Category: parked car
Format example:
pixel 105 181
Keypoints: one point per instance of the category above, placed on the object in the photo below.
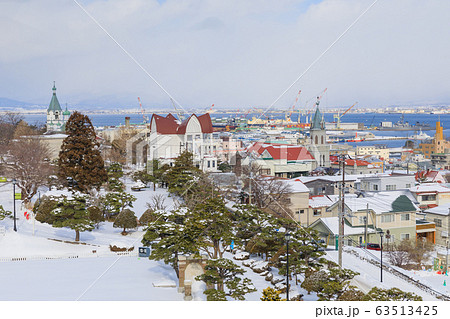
pixel 373 246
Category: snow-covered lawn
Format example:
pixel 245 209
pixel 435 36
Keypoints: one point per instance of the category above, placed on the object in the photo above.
pixel 97 274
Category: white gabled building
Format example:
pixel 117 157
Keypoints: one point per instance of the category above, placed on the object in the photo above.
pixel 169 138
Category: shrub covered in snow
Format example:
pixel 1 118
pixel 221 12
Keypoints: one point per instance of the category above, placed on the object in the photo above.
pixel 126 219
pixel 242 256
pixel 260 266
pixel 119 246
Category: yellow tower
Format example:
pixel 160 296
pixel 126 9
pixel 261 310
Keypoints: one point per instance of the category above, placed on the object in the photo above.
pixel 439 131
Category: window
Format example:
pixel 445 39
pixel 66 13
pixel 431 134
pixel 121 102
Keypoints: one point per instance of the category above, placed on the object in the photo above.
pixel 428 197
pixel 213 163
pixel 316 212
pixel 362 220
pixel 391 187
pixel 404 236
pixel 405 216
pixel 375 187
pixel 438 222
pixel 301 211
pixel 387 218
pixel 209 164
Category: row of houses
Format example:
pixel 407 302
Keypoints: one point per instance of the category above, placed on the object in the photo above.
pixel 420 211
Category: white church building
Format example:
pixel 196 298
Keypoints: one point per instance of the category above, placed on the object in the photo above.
pixel 169 137
pixel 56 117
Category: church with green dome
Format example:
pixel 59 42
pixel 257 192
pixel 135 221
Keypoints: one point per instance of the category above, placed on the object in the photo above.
pixel 56 117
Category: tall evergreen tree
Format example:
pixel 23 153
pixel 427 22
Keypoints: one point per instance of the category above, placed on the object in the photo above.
pixel 182 173
pixel 213 222
pixel 80 163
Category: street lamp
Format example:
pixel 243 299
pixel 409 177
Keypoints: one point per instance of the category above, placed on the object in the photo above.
pixel 381 254
pixel 287 237
pixel 14 202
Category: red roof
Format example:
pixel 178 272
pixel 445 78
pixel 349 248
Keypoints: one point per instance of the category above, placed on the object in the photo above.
pixel 282 151
pixel 351 162
pixel 206 123
pixel 170 125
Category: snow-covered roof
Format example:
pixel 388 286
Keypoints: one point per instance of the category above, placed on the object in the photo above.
pixel 382 202
pixel 430 188
pixel 321 201
pixel 332 223
pixel 337 178
pixel 439 210
pixel 297 186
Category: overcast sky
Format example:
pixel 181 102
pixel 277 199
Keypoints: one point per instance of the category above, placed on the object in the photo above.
pixel 229 53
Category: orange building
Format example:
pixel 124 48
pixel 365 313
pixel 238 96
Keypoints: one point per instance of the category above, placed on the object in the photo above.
pixel 437 145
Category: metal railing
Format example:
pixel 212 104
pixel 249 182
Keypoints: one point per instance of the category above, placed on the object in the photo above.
pixel 377 262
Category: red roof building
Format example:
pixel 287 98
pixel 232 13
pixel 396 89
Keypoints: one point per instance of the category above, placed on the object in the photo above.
pixel 169 137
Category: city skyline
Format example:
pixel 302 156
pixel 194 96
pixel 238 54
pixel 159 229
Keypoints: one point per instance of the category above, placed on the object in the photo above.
pixel 230 54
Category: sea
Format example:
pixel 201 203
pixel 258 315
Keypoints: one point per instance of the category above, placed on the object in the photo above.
pixel 368 119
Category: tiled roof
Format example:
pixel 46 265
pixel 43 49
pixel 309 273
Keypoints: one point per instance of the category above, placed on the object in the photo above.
pixel 170 125
pixel 278 151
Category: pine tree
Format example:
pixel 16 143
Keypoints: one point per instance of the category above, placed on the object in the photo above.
pixel 126 219
pixel 213 222
pixel 113 203
pixel 95 215
pixel 43 209
pixel 392 294
pixel 330 285
pixel 80 163
pixel 168 237
pixel 223 273
pixel 182 173
pixel 72 213
pixel 147 217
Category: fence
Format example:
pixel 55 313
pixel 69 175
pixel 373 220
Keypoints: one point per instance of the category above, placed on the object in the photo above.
pixel 133 253
pixel 375 261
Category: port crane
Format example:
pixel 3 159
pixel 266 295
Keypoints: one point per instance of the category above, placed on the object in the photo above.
pixel 210 110
pixel 180 115
pixel 289 113
pixel 142 111
pixel 338 116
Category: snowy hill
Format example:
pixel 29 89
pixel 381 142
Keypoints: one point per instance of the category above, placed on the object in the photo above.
pixel 47 265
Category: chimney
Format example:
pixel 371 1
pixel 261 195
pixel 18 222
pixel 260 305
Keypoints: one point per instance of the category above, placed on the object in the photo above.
pixel 127 121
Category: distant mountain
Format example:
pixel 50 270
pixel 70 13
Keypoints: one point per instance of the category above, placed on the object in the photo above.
pixel 6 103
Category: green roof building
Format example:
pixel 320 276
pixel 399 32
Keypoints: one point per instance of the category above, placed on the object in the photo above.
pixel 56 118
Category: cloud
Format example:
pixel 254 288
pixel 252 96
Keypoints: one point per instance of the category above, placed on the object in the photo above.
pixel 230 53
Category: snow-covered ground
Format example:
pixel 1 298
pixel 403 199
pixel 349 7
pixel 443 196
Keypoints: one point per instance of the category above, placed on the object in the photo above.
pixel 90 271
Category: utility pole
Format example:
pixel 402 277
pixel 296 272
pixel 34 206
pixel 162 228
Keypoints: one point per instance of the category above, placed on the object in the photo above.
pixel 366 225
pixel 341 213
pixel 251 179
